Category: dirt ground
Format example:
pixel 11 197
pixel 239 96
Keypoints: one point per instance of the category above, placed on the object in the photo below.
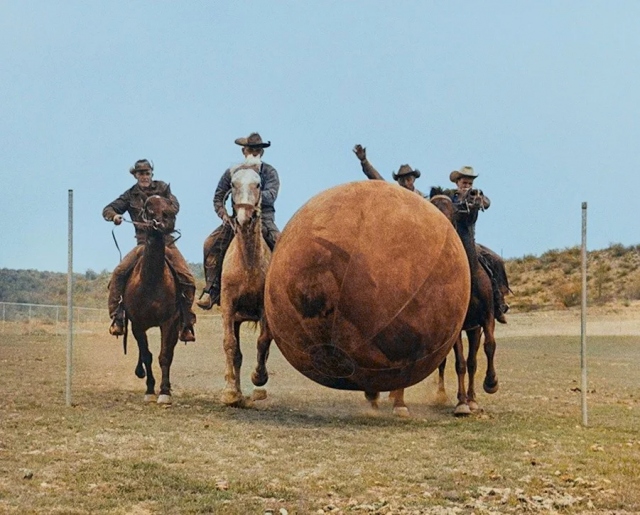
pixel 615 320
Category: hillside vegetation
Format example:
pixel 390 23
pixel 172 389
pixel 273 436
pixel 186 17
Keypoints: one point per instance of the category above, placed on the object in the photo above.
pixel 550 281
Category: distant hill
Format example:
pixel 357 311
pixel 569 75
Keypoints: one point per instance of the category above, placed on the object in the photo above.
pixel 550 281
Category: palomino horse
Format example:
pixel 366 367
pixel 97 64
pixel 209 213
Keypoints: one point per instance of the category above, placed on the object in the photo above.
pixel 480 314
pixel 150 298
pixel 243 278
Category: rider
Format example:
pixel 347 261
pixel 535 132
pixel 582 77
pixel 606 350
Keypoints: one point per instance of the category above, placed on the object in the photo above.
pixel 406 176
pixel 132 201
pixel 217 243
pixel 493 263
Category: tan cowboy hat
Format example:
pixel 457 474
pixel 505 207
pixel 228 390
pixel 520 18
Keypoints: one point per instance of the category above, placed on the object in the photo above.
pixel 465 171
pixel 405 170
pixel 253 140
pixel 141 165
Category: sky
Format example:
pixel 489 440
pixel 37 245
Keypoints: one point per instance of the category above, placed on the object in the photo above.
pixel 542 98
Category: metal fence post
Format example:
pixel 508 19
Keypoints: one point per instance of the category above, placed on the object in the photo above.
pixel 583 317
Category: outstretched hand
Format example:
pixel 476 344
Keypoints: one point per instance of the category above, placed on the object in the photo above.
pixel 360 152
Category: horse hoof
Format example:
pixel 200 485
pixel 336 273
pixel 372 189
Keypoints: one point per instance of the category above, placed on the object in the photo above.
pixel 164 399
pixel 441 399
pixel 490 387
pixel 473 406
pixel 462 410
pixel 401 412
pixel 232 398
pixel 258 394
pixel 149 397
pixel 259 379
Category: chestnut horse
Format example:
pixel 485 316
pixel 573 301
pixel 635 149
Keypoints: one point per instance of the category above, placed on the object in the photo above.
pixel 480 314
pixel 242 288
pixel 150 297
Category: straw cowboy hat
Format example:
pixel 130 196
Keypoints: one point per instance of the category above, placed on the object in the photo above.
pixel 465 171
pixel 405 170
pixel 253 140
pixel 141 165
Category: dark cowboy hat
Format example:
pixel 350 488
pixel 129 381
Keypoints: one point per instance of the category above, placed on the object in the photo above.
pixel 465 171
pixel 405 170
pixel 141 165
pixel 253 140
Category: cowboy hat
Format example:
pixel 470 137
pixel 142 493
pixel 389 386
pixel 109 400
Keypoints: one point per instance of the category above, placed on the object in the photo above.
pixel 465 171
pixel 253 140
pixel 141 165
pixel 405 170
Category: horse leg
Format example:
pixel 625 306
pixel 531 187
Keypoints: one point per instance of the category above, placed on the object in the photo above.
pixel 145 358
pixel 473 336
pixel 169 339
pixel 232 395
pixel 399 407
pixel 372 397
pixel 462 408
pixel 490 383
pixel 260 375
pixel 441 395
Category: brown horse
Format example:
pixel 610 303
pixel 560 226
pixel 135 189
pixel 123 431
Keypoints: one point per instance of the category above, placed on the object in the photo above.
pixel 480 314
pixel 243 278
pixel 150 297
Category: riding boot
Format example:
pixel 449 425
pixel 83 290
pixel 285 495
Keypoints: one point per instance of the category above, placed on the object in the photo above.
pixel 187 334
pixel 117 321
pixel 211 293
pixel 500 306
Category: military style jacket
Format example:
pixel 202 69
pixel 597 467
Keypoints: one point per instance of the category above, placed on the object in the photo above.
pixel 269 184
pixel 132 201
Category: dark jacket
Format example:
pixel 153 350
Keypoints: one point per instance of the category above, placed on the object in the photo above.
pixel 132 201
pixel 269 184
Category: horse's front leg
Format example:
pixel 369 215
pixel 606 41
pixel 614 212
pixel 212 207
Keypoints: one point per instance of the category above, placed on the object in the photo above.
pixel 441 394
pixel 232 395
pixel 474 337
pixel 399 407
pixel 490 383
pixel 169 339
pixel 260 375
pixel 372 398
pixel 145 359
pixel 462 408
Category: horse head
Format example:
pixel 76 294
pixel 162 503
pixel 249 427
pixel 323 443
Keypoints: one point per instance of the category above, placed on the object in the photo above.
pixel 159 214
pixel 470 203
pixel 245 194
pixel 445 206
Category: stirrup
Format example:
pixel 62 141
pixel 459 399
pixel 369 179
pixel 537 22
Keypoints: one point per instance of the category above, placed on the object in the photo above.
pixel 187 334
pixel 205 301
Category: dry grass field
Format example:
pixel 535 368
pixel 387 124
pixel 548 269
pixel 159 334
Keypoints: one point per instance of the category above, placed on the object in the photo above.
pixel 309 449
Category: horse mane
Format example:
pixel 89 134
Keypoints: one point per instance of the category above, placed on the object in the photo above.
pixel 436 190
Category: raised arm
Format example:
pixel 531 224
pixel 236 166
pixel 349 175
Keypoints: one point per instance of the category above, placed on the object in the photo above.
pixel 367 167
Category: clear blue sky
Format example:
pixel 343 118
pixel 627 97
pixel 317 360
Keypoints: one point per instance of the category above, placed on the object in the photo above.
pixel 541 98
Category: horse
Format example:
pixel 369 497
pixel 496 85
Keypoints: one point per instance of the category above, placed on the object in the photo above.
pixel 150 297
pixel 480 317
pixel 242 287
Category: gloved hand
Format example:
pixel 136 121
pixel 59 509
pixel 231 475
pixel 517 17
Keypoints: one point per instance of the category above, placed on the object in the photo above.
pixel 360 152
pixel 117 219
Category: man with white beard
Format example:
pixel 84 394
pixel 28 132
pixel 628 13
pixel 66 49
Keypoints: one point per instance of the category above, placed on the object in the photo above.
pixel 217 243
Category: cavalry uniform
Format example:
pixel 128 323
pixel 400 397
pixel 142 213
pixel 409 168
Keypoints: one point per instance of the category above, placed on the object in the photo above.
pixel 132 201
pixel 216 244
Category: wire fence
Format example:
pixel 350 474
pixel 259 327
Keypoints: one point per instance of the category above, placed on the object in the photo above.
pixel 24 318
